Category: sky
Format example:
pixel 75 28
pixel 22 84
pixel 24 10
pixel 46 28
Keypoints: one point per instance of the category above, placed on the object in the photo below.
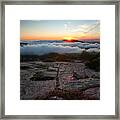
pixel 59 29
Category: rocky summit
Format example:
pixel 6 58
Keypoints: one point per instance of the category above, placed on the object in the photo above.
pixel 58 81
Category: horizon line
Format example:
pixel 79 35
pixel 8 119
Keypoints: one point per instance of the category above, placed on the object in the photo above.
pixel 55 39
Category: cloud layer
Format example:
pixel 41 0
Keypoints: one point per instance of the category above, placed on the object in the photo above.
pixel 58 47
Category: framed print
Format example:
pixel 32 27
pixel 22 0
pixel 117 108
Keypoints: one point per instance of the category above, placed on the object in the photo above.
pixel 59 59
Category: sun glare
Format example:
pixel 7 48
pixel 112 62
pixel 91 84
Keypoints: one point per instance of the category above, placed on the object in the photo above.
pixel 68 38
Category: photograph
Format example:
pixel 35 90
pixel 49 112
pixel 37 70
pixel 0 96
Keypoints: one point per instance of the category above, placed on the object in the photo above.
pixel 60 59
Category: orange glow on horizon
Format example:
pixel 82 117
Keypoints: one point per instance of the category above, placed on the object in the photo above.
pixel 37 38
pixel 40 38
pixel 61 37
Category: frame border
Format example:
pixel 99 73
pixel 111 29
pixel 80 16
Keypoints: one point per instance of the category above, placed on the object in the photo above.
pixel 2 55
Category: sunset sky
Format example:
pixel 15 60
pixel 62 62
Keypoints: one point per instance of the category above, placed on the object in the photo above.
pixel 59 29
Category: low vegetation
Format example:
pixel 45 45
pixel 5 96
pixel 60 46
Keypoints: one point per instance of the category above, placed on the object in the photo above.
pixel 91 59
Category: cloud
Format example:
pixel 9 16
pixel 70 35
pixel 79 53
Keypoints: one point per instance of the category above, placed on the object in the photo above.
pixel 47 48
pixel 44 48
pixel 84 28
pixel 93 50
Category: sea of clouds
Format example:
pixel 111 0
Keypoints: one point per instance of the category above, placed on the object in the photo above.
pixel 58 47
